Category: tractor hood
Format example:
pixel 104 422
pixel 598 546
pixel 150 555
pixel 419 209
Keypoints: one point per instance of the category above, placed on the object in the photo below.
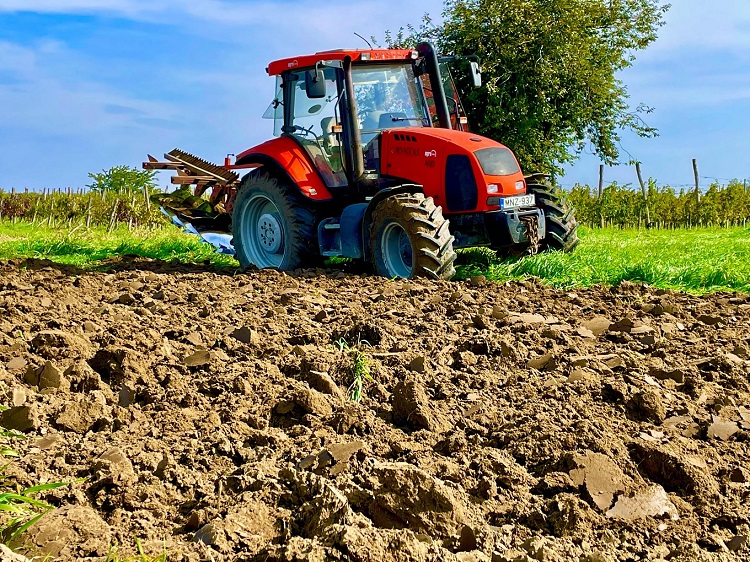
pixel 462 172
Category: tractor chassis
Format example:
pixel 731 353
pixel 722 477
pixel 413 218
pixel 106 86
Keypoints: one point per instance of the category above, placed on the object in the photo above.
pixel 498 229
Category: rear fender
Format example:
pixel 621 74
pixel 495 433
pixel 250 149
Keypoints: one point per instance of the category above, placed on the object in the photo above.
pixel 290 162
pixel 377 198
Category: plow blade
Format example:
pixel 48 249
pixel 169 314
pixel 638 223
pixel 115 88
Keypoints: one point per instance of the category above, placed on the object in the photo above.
pixel 190 207
pixel 189 166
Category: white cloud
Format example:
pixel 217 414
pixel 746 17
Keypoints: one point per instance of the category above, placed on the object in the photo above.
pixel 700 26
pixel 289 19
pixel 48 91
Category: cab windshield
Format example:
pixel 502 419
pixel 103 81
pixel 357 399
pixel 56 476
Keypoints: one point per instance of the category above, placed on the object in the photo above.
pixel 387 97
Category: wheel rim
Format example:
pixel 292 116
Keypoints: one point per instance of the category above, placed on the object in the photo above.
pixel 396 249
pixel 262 231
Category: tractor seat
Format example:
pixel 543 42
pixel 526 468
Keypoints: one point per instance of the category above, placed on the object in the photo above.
pixel 372 121
pixel 329 137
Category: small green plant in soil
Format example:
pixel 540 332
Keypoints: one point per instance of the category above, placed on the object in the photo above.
pixel 112 556
pixel 6 436
pixel 360 371
pixel 19 510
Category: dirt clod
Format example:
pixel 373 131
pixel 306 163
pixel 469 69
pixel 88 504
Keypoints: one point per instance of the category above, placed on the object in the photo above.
pixel 411 406
pixel 599 476
pixel 647 406
pixel 20 418
pixel 651 502
pixel 71 532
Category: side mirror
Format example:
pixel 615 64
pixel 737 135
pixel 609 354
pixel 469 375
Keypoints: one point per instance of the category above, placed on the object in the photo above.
pixel 315 84
pixel 475 73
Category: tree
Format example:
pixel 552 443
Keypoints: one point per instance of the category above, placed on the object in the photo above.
pixel 123 179
pixel 549 70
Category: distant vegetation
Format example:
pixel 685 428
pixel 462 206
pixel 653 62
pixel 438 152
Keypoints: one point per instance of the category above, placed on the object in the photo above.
pixel 79 208
pixel 624 207
pixel 123 179
pixel 620 206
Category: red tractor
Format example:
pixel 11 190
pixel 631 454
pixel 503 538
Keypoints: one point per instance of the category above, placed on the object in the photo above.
pixel 370 161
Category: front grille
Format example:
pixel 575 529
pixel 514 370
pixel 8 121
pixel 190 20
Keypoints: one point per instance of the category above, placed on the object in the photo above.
pixel 460 185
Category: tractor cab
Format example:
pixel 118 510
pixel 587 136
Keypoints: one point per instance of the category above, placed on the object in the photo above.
pixel 336 105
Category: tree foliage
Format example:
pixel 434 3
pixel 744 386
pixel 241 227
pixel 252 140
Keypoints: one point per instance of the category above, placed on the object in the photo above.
pixel 123 179
pixel 549 70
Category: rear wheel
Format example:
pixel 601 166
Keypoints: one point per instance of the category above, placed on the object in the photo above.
pixel 559 220
pixel 409 237
pixel 271 227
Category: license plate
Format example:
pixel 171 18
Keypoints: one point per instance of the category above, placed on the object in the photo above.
pixel 517 201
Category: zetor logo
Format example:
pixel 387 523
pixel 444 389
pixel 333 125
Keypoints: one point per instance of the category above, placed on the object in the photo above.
pixel 430 154
pixel 293 64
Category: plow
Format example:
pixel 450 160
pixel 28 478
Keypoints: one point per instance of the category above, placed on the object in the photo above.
pixel 203 203
pixel 371 160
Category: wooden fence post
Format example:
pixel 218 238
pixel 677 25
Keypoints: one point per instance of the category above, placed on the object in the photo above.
pixel 643 191
pixel 148 200
pixel 697 181
pixel 88 211
pixel 113 218
pixel 601 191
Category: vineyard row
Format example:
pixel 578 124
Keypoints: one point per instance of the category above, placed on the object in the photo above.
pixel 618 205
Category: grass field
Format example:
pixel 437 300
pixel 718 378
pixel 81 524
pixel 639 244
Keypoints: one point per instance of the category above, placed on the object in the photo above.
pixel 87 248
pixel 695 260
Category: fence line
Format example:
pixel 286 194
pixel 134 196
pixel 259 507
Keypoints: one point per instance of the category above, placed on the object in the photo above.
pixel 604 205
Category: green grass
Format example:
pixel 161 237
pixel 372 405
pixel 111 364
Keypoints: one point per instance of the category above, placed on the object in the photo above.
pixel 87 248
pixel 696 260
pixel 18 509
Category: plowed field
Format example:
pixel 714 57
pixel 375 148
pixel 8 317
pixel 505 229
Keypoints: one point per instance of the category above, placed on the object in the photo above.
pixel 211 416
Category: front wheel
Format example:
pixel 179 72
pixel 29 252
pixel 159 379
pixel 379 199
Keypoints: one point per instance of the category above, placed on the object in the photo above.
pixel 271 226
pixel 409 237
pixel 559 220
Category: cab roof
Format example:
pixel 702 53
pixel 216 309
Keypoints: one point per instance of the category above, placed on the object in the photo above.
pixel 357 55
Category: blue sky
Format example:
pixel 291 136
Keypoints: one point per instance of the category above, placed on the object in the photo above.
pixel 89 84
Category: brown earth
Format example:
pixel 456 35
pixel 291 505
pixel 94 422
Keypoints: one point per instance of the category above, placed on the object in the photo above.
pixel 208 414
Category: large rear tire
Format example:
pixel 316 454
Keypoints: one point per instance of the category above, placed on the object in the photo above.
pixel 409 237
pixel 271 226
pixel 559 219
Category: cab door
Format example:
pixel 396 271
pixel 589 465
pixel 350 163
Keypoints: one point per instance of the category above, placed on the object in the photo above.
pixel 315 123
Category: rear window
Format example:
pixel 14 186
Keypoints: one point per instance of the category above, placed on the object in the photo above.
pixel 497 161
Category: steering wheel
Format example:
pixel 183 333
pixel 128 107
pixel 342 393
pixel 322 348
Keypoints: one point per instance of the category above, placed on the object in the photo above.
pixel 303 130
